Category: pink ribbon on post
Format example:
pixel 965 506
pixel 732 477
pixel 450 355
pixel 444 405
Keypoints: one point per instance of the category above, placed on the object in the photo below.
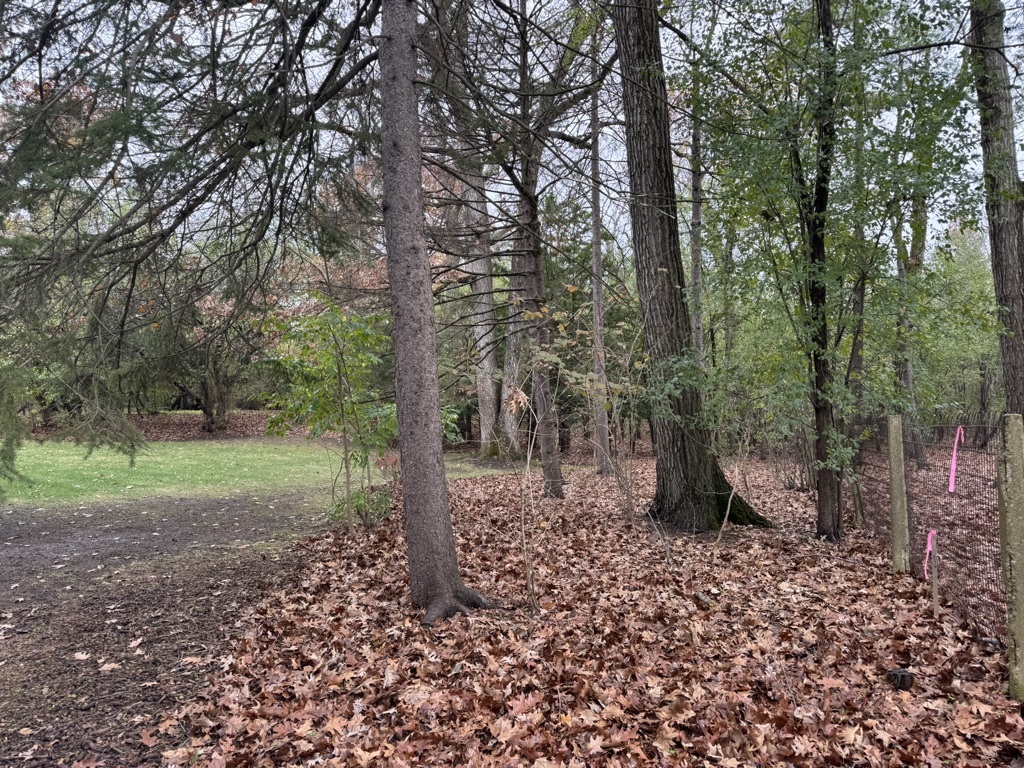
pixel 928 551
pixel 952 465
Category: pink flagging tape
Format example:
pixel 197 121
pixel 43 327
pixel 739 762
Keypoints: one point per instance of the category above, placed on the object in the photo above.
pixel 928 551
pixel 952 464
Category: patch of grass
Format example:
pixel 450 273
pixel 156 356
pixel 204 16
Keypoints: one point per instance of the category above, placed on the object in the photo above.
pixel 59 472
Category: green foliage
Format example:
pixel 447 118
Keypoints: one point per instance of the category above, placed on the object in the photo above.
pixel 902 146
pixel 12 427
pixel 450 432
pixel 955 337
pixel 371 505
pixel 331 360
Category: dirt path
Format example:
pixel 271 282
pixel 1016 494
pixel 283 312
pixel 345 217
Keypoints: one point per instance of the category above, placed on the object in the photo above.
pixel 108 613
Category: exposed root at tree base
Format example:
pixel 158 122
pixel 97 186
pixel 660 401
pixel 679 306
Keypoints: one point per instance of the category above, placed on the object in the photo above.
pixel 463 600
pixel 740 511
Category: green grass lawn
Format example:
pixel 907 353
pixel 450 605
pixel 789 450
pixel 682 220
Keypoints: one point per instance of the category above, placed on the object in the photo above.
pixel 60 472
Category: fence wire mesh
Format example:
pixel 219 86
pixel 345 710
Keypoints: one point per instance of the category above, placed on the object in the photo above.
pixel 956 498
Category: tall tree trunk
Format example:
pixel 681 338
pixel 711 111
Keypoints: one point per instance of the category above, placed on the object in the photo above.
pixel 908 264
pixel 696 225
pixel 434 576
pixel 691 490
pixel 813 202
pixel 855 368
pixel 1004 197
pixel 449 78
pixel 602 441
pixel 479 266
pixel 853 423
pixel 726 267
pixel 531 263
pixel 531 258
pixel 984 401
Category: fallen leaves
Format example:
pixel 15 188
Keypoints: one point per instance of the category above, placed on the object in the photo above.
pixel 784 664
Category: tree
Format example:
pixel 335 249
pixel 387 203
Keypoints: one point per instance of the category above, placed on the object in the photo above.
pixel 1004 190
pixel 131 140
pixel 602 441
pixel 434 576
pixel 691 491
pixel 329 356
pixel 152 128
pixel 813 207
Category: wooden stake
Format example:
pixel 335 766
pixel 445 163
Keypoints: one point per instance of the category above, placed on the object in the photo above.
pixel 935 575
pixel 900 530
pixel 1011 533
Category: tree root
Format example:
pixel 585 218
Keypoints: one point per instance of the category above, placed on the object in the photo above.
pixel 462 600
pixel 740 511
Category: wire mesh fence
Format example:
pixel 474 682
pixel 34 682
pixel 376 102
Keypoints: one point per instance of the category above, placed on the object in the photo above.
pixel 950 473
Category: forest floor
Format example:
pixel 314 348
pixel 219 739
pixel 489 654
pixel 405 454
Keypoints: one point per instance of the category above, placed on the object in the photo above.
pixel 208 632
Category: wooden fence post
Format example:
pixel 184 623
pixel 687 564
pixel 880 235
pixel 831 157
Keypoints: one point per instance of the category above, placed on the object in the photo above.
pixel 898 498
pixel 1011 535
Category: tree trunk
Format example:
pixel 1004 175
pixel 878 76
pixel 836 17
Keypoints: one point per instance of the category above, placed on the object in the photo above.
pixel 696 227
pixel 479 265
pixel 602 441
pixel 691 490
pixel 1004 198
pixel 449 78
pixel 511 407
pixel 908 264
pixel 727 277
pixel 531 258
pixel 434 576
pixel 531 263
pixel 813 204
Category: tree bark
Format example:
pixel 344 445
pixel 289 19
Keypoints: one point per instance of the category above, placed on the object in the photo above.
pixel 434 577
pixel 602 440
pixel 691 489
pixel 726 267
pixel 908 264
pixel 1004 198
